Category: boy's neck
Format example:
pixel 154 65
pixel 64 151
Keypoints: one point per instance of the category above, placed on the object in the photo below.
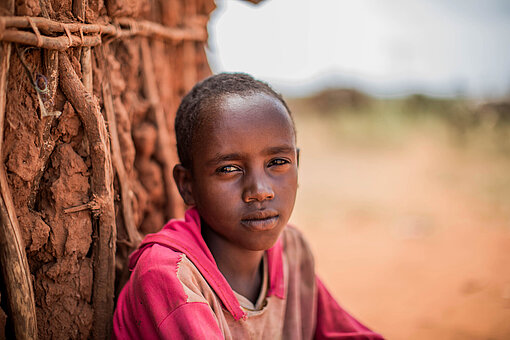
pixel 241 267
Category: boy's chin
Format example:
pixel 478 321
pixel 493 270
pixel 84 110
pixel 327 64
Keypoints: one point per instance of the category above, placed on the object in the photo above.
pixel 263 245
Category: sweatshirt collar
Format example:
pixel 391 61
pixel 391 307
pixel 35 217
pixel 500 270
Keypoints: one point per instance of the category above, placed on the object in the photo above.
pixel 185 236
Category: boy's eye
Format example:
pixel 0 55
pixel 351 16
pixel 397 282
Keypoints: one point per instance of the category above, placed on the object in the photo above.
pixel 278 161
pixel 228 169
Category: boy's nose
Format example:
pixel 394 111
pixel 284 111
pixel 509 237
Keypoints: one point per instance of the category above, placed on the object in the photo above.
pixel 258 188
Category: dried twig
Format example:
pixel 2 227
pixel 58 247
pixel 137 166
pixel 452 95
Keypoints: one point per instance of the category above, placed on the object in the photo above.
pixel 79 11
pixel 86 68
pixel 43 27
pixel 125 190
pixel 12 251
pixel 190 67
pixel 94 205
pixel 189 50
pixel 48 26
pixel 51 68
pixel 174 206
pixel 152 29
pixel 79 7
pixel 102 186
pixel 53 43
pixel 50 61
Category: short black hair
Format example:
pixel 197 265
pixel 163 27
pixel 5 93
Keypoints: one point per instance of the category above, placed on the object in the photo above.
pixel 205 94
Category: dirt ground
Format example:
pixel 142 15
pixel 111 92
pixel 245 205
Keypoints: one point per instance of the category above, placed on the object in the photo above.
pixel 413 238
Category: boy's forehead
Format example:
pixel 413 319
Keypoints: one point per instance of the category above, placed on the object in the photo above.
pixel 247 108
pixel 238 118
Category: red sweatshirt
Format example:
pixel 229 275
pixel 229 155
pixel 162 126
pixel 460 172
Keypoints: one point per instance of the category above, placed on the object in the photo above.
pixel 176 291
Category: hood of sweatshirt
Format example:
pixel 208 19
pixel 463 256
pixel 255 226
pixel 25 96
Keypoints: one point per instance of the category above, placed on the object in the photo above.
pixel 185 236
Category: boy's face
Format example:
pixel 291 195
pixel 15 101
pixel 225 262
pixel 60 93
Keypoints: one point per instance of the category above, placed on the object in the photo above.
pixel 244 177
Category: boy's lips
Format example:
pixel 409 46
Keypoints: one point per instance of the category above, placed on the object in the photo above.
pixel 260 220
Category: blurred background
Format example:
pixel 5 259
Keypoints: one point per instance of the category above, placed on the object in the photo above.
pixel 403 115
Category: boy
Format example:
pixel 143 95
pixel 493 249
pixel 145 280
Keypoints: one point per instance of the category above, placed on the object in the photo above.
pixel 233 268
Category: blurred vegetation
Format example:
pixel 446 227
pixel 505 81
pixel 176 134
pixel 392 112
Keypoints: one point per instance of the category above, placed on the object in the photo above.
pixel 356 118
pixel 476 134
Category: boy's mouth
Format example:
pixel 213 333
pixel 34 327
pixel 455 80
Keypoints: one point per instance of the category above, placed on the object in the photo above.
pixel 260 220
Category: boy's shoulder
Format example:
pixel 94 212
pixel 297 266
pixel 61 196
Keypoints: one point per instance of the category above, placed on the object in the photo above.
pixel 297 249
pixel 159 259
pixel 157 265
pixel 294 240
pixel 163 281
pixel 163 262
pixel 156 255
pixel 292 232
pixel 171 268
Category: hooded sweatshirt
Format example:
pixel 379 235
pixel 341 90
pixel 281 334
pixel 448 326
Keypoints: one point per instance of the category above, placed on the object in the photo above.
pixel 176 291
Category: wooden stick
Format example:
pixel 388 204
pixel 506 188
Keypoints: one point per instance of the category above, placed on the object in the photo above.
pixel 79 7
pixel 125 190
pixel 51 68
pixel 188 52
pixel 102 186
pixel 52 43
pixel 149 28
pixel 94 205
pixel 9 5
pixel 45 8
pixel 174 206
pixel 86 68
pixel 190 65
pixel 13 259
pixel 48 26
pixel 196 32
pixel 50 57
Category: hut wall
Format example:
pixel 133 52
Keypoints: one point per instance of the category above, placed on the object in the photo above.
pixel 70 221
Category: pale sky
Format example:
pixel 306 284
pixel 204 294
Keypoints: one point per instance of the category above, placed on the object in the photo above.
pixel 385 47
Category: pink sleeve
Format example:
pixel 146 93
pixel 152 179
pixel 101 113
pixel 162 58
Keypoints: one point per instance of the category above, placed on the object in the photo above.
pixel 192 320
pixel 335 323
pixel 189 321
pixel 153 304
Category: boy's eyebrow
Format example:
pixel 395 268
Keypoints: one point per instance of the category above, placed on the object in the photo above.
pixel 279 149
pixel 218 158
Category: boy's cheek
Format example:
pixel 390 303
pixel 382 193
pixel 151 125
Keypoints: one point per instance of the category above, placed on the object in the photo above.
pixel 217 198
pixel 290 181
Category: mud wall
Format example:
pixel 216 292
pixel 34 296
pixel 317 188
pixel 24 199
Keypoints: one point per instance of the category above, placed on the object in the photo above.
pixel 136 82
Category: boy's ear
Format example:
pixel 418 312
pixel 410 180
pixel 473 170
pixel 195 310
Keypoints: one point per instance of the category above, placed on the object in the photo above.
pixel 297 156
pixel 183 179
